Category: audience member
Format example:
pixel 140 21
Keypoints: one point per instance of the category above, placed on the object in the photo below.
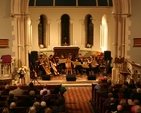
pixel 37 106
pixel 18 90
pixel 136 102
pixel 58 107
pixel 32 110
pixel 6 90
pixel 5 110
pixel 108 100
pixel 11 98
pixel 48 110
pixel 43 107
pixel 113 105
pixel 45 90
pixel 119 109
pixel 31 87
pixel 98 83
pixel 12 108
pixel 137 109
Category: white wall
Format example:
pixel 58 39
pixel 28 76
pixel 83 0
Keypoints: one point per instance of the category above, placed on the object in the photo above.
pixel 6 27
pixel 77 16
pixel 135 31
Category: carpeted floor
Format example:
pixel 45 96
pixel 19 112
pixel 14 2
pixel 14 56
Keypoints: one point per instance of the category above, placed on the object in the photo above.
pixel 77 100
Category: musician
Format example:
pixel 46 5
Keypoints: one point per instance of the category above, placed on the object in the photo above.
pixel 53 65
pixel 94 66
pixel 44 65
pixel 78 68
pixel 62 66
pixel 68 66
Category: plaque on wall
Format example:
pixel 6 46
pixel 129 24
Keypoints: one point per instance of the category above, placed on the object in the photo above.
pixel 4 43
pixel 137 42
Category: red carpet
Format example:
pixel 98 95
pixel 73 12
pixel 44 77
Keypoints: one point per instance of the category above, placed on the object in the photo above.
pixel 77 100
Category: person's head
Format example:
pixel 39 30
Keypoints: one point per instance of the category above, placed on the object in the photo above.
pixel 56 90
pixel 32 93
pixel 43 103
pixel 5 110
pixel 130 102
pixel 48 110
pixel 11 96
pixel 137 109
pixel 31 84
pixel 7 86
pixel 112 100
pixel 32 110
pixel 123 102
pixel 99 82
pixel 36 104
pixel 18 85
pixel 110 95
pixel 138 90
pixel 11 92
pixel 63 90
pixel 136 102
pixel 45 86
pixel 12 105
pixel 119 107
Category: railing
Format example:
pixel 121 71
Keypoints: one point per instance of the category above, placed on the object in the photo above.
pixel 134 69
pixel 6 71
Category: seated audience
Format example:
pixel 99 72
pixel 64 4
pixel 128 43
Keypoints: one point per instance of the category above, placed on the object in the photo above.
pixel 58 107
pixel 136 102
pixel 32 110
pixel 113 105
pixel 5 110
pixel 37 106
pixel 107 100
pixel 119 109
pixel 48 110
pixel 102 90
pixel 137 109
pixel 124 105
pixel 18 90
pixel 43 107
pixel 12 108
pixel 31 87
pixel 6 90
pixel 97 85
pixel 11 98
pixel 56 90
pixel 45 90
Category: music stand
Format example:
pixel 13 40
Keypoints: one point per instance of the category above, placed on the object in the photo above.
pixel 33 77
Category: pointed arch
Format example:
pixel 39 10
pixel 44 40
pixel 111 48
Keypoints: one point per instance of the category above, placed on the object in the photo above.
pixel 42 31
pixel 89 31
pixel 65 29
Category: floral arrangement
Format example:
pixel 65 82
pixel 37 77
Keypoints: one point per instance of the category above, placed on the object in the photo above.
pixel 22 70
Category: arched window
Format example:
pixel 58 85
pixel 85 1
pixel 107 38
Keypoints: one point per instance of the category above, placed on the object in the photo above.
pixel 65 30
pixel 89 28
pixel 104 34
pixel 42 31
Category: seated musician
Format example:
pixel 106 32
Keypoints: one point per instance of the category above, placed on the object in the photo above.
pixel 94 66
pixel 53 65
pixel 62 66
pixel 78 68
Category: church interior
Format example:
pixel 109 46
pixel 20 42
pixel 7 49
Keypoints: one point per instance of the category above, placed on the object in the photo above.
pixel 72 44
